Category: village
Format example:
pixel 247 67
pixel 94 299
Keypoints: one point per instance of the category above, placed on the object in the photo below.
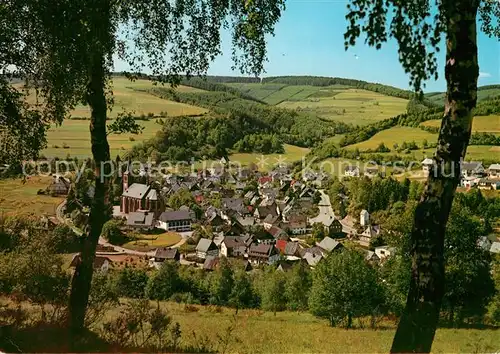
pixel 257 218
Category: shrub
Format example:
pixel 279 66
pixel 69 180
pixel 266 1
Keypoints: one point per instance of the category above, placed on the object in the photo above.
pixel 131 138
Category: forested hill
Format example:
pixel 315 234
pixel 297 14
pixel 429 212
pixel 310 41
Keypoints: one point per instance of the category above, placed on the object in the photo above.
pixel 332 81
pixel 233 123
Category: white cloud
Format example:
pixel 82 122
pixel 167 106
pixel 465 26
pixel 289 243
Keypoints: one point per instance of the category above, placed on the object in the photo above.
pixel 483 75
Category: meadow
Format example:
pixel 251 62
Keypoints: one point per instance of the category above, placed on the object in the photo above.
pixel 73 137
pixel 146 242
pixel 263 162
pixel 396 135
pixel 489 124
pixel 438 97
pixel 127 98
pixel 354 106
pixel 18 197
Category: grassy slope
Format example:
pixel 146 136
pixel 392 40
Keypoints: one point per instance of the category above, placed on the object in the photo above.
pixel 337 102
pixel 355 106
pixel 20 198
pixel 395 135
pixel 292 332
pixel 126 98
pixel 75 134
pixel 490 124
pixel 438 97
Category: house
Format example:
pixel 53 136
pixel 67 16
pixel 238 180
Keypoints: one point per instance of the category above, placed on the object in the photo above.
pixel 469 182
pixel 263 210
pixel 372 257
pixel 59 186
pixel 366 236
pixel 101 263
pixel 138 196
pixel 494 170
pixel 312 259
pixel 166 254
pixel 269 221
pixel 364 218
pixel 289 249
pixel 321 180
pixel 328 244
pixel 495 247
pixel 234 246
pixel 333 227
pixel 473 168
pixel 246 222
pixel 205 248
pixel 178 221
pixel 488 184
pixel 351 171
pixel 216 221
pixel 308 175
pixel 141 220
pixel 236 205
pixel 349 226
pixel 297 224
pixel 277 233
pixel 306 194
pixel 211 263
pixel 265 181
pixel 371 172
pixel 261 253
pixel 427 164
pixel 384 252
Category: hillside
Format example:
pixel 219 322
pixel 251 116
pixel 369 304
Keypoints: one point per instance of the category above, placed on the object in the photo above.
pixel 348 101
pixel 72 136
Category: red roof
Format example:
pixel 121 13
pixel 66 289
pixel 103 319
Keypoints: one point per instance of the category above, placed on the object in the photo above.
pixel 281 244
pixel 265 179
pixel 199 198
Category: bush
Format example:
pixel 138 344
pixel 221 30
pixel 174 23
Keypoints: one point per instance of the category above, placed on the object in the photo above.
pixel 131 138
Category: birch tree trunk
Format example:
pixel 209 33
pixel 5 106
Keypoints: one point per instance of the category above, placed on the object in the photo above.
pixel 419 321
pixel 99 31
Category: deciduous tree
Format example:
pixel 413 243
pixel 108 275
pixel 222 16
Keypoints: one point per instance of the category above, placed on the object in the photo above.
pixel 418 27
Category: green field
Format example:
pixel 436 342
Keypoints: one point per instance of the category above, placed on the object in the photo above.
pixel 76 136
pixel 396 135
pixel 355 106
pixel 18 197
pixel 256 331
pixel 438 97
pixel 128 99
pixel 292 154
pixel 490 124
pixel 146 242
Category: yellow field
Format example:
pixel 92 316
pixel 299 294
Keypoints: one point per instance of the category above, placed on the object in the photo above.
pixel 489 124
pixel 76 136
pixel 359 107
pixel 395 135
pixel 126 98
pixel 18 198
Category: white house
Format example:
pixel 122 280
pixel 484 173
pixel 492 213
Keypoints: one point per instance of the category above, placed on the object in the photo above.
pixel 384 251
pixel 351 171
pixel 494 170
pixel 178 221
pixel 427 164
pixel 472 168
pixel 364 218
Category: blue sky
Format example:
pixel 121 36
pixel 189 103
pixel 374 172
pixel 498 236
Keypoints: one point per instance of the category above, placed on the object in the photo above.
pixel 309 41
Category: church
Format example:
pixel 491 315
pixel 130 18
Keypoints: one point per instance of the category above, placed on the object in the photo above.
pixel 139 197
